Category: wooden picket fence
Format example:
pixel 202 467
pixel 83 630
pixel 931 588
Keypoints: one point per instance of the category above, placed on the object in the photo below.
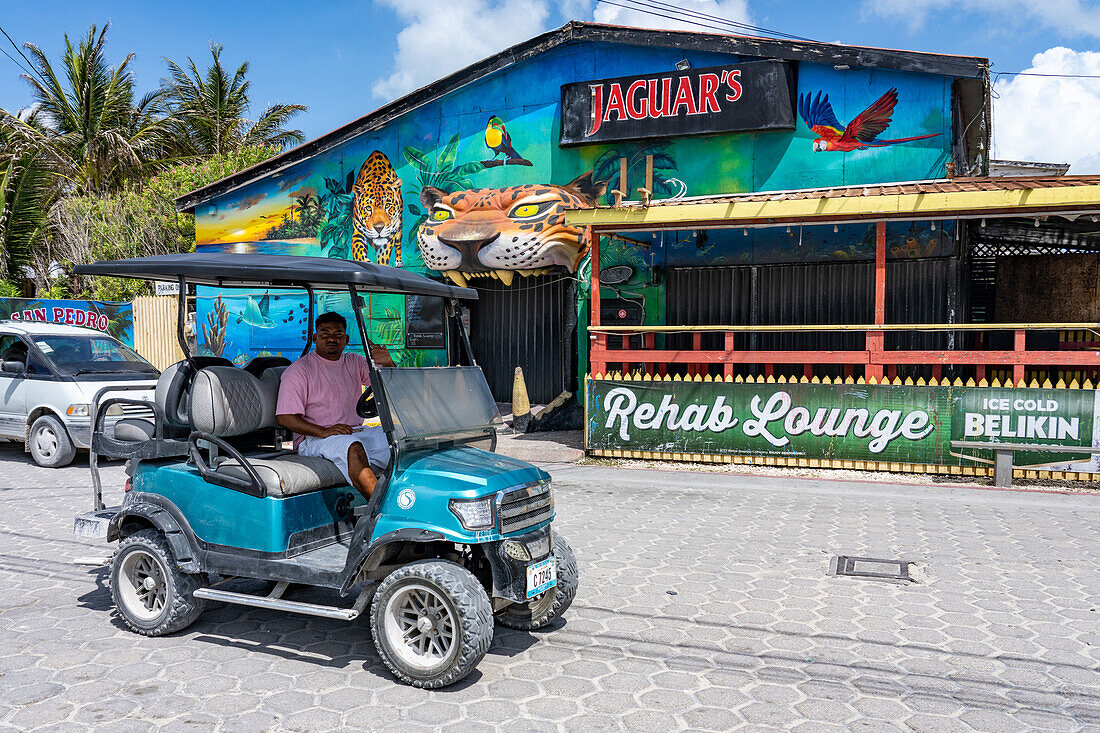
pixel 155 330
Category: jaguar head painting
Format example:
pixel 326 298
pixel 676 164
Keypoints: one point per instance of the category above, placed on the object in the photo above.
pixel 497 232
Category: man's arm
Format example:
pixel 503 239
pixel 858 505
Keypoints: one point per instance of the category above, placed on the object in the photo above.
pixel 380 355
pixel 300 425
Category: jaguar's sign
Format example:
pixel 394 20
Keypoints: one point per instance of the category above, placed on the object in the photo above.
pixel 739 97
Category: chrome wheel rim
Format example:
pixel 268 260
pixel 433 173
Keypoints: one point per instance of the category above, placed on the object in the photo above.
pixel 541 603
pixel 420 627
pixel 143 585
pixel 46 441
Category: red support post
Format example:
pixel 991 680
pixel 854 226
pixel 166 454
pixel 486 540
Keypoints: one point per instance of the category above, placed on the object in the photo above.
pixel 696 345
pixel 727 366
pixel 1018 344
pixel 599 340
pixel 875 339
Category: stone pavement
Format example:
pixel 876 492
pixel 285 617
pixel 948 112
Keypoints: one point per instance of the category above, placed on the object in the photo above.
pixel 705 604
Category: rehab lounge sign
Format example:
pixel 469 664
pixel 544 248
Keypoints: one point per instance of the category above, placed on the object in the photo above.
pixel 893 423
pixel 739 97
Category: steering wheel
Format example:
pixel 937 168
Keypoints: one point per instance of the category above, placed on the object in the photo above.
pixel 366 406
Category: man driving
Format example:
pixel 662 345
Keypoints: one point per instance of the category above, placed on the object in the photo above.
pixel 317 396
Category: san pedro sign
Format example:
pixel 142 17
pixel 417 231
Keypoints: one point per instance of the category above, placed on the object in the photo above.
pixel 739 97
pixel 908 424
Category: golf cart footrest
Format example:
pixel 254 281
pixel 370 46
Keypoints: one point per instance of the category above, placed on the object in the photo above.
pixel 94 524
pixel 279 604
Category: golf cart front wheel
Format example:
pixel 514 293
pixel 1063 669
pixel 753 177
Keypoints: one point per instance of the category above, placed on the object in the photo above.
pixel 150 592
pixel 547 607
pixel 431 622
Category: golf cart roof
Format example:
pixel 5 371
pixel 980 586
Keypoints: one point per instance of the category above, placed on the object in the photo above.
pixel 262 271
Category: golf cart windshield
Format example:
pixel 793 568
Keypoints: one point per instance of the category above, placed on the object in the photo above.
pixel 428 402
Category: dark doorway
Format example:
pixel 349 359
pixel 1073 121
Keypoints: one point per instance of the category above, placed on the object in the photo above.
pixel 530 324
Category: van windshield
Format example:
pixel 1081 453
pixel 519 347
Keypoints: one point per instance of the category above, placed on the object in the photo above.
pixel 431 400
pixel 91 354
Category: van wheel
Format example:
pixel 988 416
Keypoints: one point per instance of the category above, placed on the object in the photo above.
pixel 153 596
pixel 431 622
pixel 50 443
pixel 546 608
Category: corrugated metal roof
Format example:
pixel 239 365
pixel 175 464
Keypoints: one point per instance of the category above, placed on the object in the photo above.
pixel 944 185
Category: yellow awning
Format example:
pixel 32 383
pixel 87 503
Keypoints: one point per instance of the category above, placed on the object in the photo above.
pixel 962 198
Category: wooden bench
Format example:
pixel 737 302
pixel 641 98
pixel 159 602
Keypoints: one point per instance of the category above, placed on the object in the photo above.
pixel 1003 454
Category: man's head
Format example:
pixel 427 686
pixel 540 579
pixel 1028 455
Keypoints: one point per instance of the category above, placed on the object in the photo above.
pixel 330 335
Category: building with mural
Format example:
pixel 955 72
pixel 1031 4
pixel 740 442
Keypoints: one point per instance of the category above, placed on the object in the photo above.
pixel 668 208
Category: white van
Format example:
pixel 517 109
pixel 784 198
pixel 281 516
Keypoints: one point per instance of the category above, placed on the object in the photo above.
pixel 49 374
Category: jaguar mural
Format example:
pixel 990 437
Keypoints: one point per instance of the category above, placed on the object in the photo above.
pixel 376 211
pixel 498 232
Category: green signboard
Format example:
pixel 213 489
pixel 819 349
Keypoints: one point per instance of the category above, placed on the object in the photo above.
pixel 908 424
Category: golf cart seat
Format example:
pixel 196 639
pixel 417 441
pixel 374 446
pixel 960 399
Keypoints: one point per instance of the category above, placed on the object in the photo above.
pixel 227 402
pixel 259 365
pixel 170 396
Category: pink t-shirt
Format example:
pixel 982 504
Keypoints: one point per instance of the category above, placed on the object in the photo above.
pixel 323 391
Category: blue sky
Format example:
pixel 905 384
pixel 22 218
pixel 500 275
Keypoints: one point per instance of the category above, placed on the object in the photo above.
pixel 343 58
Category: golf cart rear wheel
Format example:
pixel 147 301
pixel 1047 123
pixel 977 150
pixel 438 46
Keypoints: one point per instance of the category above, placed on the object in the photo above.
pixel 431 622
pixel 150 592
pixel 546 608
pixel 49 443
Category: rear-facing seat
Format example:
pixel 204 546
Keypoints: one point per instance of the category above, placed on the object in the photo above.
pixel 227 402
pixel 170 395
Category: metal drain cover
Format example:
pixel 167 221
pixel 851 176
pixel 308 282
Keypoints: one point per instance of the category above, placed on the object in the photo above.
pixel 869 567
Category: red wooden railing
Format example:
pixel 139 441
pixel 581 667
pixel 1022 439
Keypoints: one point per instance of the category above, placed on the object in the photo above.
pixel 875 360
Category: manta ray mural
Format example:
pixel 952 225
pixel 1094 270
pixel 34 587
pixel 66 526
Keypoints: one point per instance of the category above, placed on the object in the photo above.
pixel 257 314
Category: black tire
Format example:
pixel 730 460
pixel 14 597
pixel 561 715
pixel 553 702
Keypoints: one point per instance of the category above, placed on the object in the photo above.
pixel 147 554
pixel 49 443
pixel 546 608
pixel 447 591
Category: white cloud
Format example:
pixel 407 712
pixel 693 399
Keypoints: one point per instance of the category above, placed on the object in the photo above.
pixel 1069 17
pixel 1051 119
pixel 442 36
pixel 735 10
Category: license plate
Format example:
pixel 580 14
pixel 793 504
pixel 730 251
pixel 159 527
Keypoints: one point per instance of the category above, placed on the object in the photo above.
pixel 541 576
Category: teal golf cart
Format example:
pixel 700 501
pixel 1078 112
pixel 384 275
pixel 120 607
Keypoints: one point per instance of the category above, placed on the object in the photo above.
pixel 454 538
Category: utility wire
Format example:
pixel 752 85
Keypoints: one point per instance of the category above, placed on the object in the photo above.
pixel 30 66
pixel 1036 73
pixel 760 30
pixel 682 16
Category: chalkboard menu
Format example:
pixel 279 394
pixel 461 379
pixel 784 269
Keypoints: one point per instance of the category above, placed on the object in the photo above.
pixel 423 322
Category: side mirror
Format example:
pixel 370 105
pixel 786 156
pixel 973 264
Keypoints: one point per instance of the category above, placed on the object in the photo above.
pixel 13 366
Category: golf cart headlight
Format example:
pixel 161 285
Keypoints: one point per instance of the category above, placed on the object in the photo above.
pixel 517 551
pixel 79 410
pixel 474 513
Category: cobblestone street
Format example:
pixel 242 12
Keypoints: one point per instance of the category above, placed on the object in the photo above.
pixel 705 604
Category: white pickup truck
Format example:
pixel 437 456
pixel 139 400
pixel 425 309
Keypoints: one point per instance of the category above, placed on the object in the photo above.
pixel 49 375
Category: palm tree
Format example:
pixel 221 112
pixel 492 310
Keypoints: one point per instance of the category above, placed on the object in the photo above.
pixel 28 187
pixel 211 110
pixel 87 111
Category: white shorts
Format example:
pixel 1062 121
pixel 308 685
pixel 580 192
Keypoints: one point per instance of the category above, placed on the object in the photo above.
pixel 336 447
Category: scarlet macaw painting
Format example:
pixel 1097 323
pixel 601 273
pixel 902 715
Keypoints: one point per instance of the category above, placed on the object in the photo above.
pixel 860 134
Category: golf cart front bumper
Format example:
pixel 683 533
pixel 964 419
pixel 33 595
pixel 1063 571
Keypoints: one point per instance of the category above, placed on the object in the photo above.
pixel 510 573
